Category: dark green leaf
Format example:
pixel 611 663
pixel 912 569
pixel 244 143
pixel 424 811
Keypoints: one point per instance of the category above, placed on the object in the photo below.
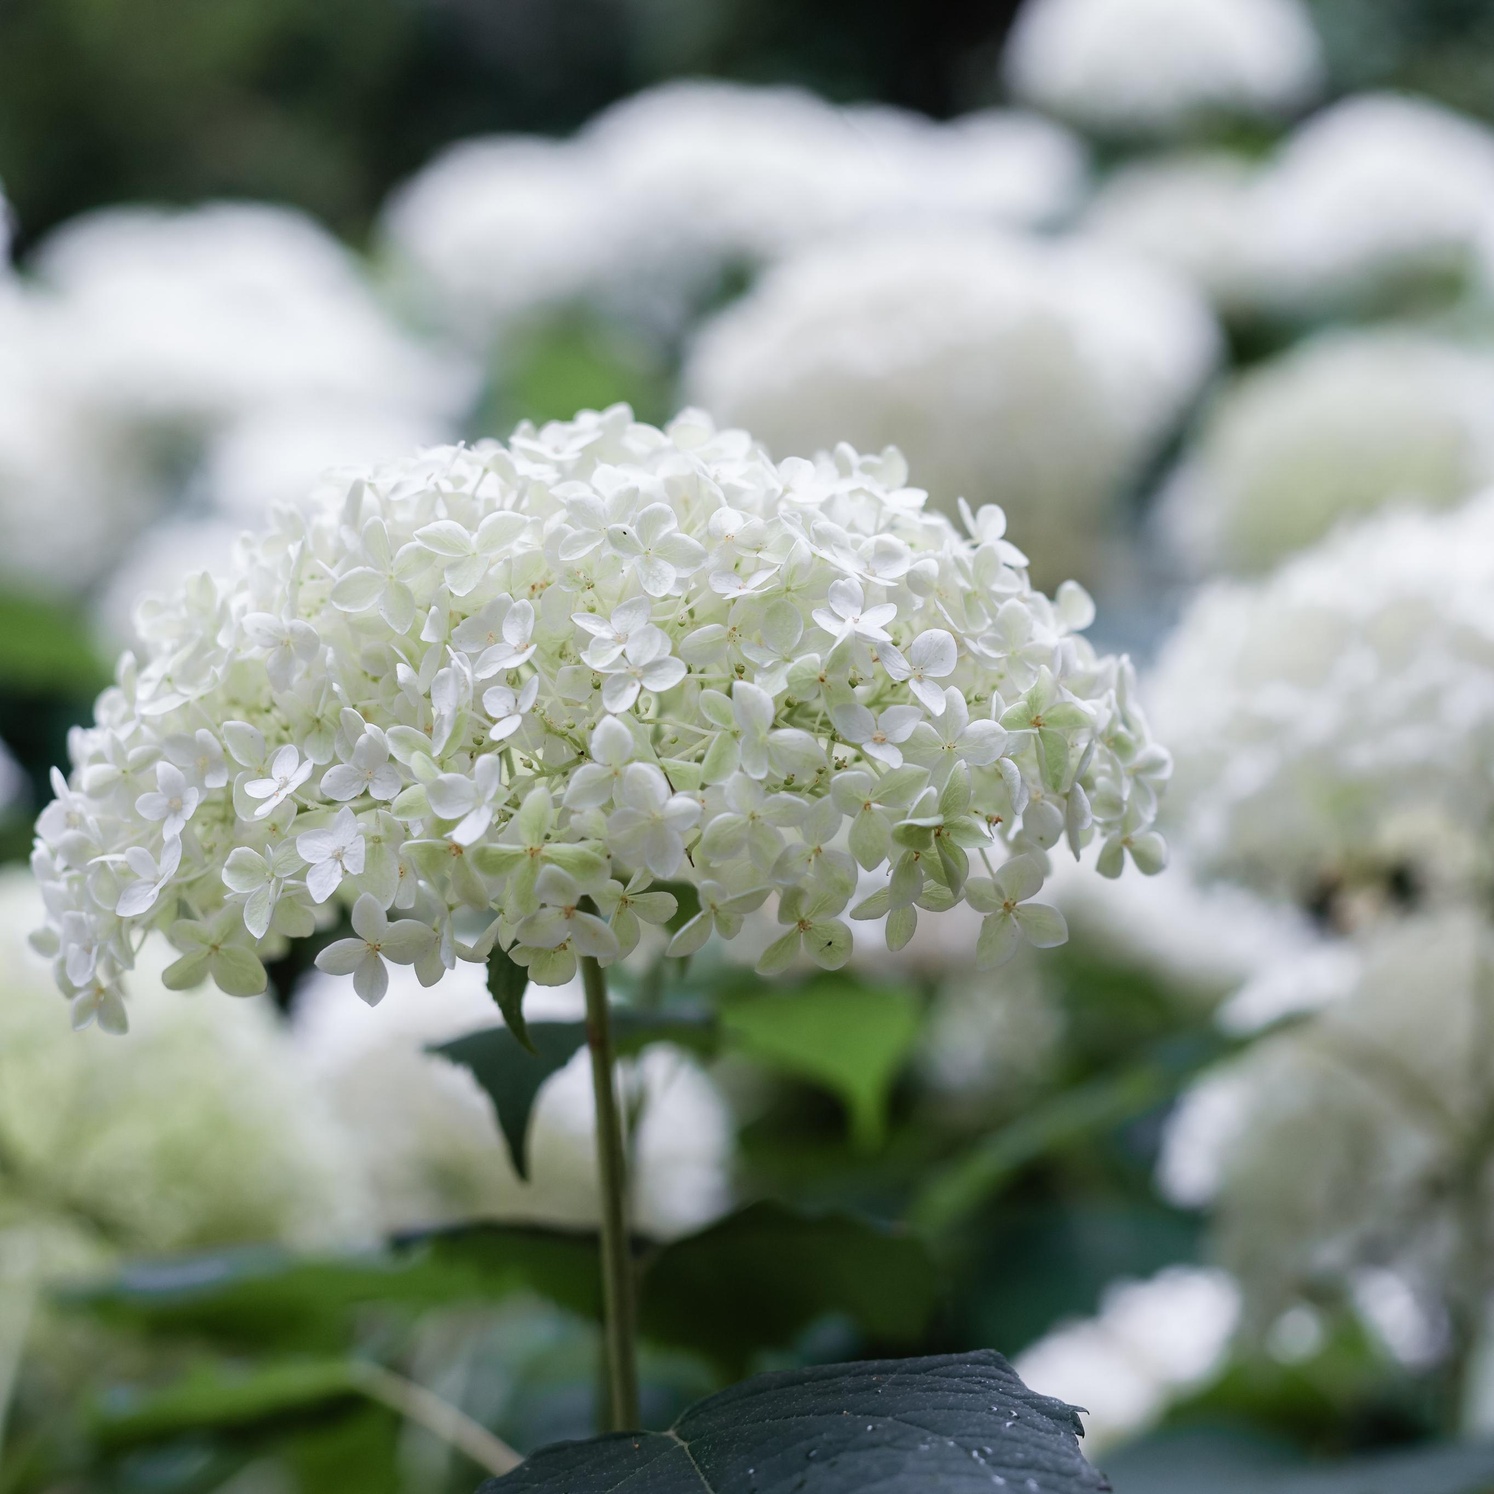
pixel 507 980
pixel 511 1070
pixel 512 1073
pixel 958 1423
pixel 758 1278
pixel 847 1037
pixel 216 1396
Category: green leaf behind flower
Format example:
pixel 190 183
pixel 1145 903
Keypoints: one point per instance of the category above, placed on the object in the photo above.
pixel 512 1069
pixel 849 1038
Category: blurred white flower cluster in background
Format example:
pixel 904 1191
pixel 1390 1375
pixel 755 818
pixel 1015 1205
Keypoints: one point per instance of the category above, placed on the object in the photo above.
pixel 644 211
pixel 1340 425
pixel 1150 1344
pixel 1163 67
pixel 326 1135
pixel 1332 722
pixel 102 1141
pixel 1382 1103
pixel 193 365
pixel 1048 373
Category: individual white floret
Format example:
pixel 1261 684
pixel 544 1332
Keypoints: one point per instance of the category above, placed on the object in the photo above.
pixel 1374 198
pixel 1193 212
pixel 1354 1141
pixel 1336 428
pixel 506 621
pixel 1333 723
pixel 1150 1344
pixel 983 357
pixel 206 1130
pixel 429 1137
pixel 1162 67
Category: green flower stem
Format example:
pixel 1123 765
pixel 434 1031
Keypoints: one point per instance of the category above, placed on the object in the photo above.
pixel 621 1332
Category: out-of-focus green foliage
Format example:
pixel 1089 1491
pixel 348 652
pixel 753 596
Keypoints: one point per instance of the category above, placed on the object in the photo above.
pixel 255 1349
pixel 576 363
pixel 1444 48
pixel 848 1036
pixel 324 105
pixel 328 104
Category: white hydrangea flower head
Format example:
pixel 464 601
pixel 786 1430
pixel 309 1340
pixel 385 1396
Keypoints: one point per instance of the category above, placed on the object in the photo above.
pixel 602 657
pixel 979 355
pixel 995 166
pixel 1374 197
pixel 429 1139
pixel 1192 211
pixel 209 313
pixel 1331 1146
pixel 498 228
pixel 1333 723
pixel 55 459
pixel 1150 1344
pixel 105 1142
pixel 750 172
pixel 642 213
pixel 754 173
pixel 1336 428
pixel 155 355
pixel 1163 67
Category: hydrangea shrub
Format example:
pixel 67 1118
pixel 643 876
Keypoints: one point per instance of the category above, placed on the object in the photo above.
pixel 509 695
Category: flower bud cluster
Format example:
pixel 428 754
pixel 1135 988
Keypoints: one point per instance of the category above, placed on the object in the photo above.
pixel 516 695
